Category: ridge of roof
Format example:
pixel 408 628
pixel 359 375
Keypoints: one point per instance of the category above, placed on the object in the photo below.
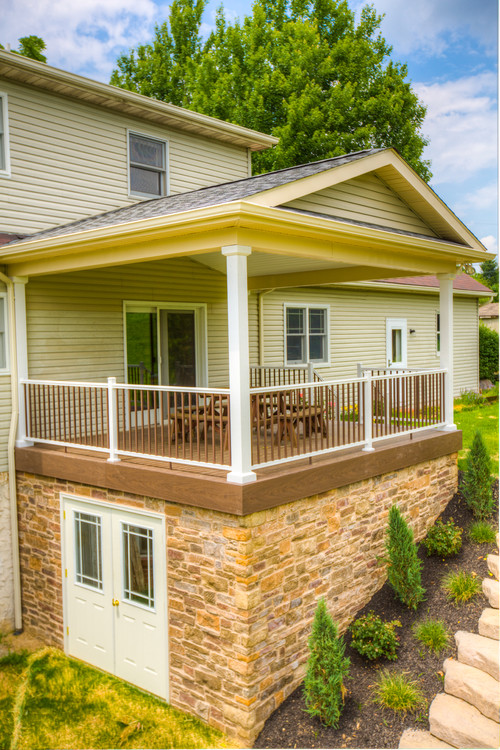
pixel 224 192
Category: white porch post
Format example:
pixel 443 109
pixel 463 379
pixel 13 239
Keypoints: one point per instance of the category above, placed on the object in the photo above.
pixel 239 364
pixel 22 356
pixel 446 343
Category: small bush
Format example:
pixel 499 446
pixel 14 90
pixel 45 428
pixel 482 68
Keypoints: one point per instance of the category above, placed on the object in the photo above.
pixel 488 353
pixel 397 692
pixel 433 634
pixel 477 483
pixel 462 586
pixel 373 638
pixel 404 566
pixel 327 668
pixel 471 398
pixel 482 533
pixel 443 539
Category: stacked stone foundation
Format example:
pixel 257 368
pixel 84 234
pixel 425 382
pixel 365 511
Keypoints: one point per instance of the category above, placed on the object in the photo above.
pixel 242 590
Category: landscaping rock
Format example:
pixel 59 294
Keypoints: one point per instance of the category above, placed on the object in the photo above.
pixel 474 686
pixel 491 591
pixel 478 651
pixel 418 738
pixel 460 724
pixel 493 565
pixel 489 624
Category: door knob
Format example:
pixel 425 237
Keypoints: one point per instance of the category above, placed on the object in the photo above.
pixel 115 602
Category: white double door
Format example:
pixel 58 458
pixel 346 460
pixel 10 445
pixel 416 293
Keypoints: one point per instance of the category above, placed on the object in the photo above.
pixel 115 592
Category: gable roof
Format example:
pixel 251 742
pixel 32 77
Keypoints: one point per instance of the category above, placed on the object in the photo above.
pixel 24 70
pixel 489 311
pixel 201 198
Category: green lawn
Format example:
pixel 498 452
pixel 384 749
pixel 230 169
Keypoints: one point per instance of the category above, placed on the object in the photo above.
pixel 482 418
pixel 50 700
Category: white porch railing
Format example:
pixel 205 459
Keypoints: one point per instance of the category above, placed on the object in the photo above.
pixel 192 426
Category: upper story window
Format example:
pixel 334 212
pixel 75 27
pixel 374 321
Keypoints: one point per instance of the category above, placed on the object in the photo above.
pixel 306 334
pixel 4 137
pixel 4 359
pixel 147 166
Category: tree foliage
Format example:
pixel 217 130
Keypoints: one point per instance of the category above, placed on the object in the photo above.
pixel 30 46
pixel 302 70
pixel 488 275
pixel 488 353
pixel 404 566
pixel 327 668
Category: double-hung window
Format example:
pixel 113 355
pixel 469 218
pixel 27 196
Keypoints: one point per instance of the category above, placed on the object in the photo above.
pixel 4 137
pixel 147 166
pixel 306 331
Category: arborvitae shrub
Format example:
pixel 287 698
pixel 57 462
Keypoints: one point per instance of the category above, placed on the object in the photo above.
pixel 477 483
pixel 404 566
pixel 327 667
pixel 488 353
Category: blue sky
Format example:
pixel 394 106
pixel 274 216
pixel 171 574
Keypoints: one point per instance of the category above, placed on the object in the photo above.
pixel 450 47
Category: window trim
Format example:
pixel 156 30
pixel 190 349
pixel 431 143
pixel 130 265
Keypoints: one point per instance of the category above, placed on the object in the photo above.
pixel 307 306
pixel 166 180
pixel 5 109
pixel 437 320
pixel 3 301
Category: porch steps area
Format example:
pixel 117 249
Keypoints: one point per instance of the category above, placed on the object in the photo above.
pixel 467 714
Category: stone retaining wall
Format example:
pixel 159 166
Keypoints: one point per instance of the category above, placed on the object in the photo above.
pixel 242 590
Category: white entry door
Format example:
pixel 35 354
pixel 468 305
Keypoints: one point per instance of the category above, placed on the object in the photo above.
pixel 115 591
pixel 396 338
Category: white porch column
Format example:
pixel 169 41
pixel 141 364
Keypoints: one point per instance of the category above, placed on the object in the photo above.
pixel 22 355
pixel 239 364
pixel 446 343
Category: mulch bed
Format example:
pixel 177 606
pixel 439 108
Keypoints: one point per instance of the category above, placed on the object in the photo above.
pixel 364 724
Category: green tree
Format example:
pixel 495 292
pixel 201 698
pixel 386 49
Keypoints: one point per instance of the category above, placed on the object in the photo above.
pixel 30 46
pixel 488 353
pixel 327 668
pixel 404 566
pixel 302 70
pixel 477 483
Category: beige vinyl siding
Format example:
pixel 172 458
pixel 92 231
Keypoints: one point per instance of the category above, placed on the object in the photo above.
pixel 357 322
pixel 75 321
pixel 69 160
pixel 5 413
pixel 366 199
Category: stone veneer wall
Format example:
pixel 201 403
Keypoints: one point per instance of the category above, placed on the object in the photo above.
pixel 242 590
pixel 6 579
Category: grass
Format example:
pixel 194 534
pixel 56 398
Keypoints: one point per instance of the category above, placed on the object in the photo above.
pixel 481 532
pixel 396 691
pixel 462 586
pixel 485 419
pixel 11 669
pixel 433 634
pixel 62 703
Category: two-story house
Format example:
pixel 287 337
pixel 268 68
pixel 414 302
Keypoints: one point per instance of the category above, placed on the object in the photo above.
pixel 213 386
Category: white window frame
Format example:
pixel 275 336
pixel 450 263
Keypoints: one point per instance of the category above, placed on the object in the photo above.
pixel 201 332
pixel 6 142
pixel 307 306
pixel 166 180
pixel 438 333
pixel 3 301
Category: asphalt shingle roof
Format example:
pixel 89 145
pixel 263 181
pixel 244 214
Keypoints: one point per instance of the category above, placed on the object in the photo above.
pixel 208 196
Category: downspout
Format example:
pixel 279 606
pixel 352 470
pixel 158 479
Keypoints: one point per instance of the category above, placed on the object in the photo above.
pixel 261 325
pixel 18 616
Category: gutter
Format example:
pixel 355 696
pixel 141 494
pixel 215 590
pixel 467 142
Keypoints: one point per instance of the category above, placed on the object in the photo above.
pixel 18 616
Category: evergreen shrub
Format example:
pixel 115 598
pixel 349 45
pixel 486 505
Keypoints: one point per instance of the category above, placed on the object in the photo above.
pixel 477 484
pixel 488 353
pixel 443 539
pixel 373 638
pixel 327 668
pixel 404 573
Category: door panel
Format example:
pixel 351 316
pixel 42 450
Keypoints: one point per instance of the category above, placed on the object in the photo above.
pixel 178 347
pixel 396 342
pixel 115 592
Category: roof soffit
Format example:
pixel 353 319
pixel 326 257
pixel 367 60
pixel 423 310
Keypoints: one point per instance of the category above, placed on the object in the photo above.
pixel 398 176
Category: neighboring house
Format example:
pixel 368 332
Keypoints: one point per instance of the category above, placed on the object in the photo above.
pixel 488 315
pixel 222 382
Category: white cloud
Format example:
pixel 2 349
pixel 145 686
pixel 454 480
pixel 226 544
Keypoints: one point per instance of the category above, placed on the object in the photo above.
pixel 490 243
pixel 461 124
pixel 431 25
pixel 85 36
pixel 483 198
